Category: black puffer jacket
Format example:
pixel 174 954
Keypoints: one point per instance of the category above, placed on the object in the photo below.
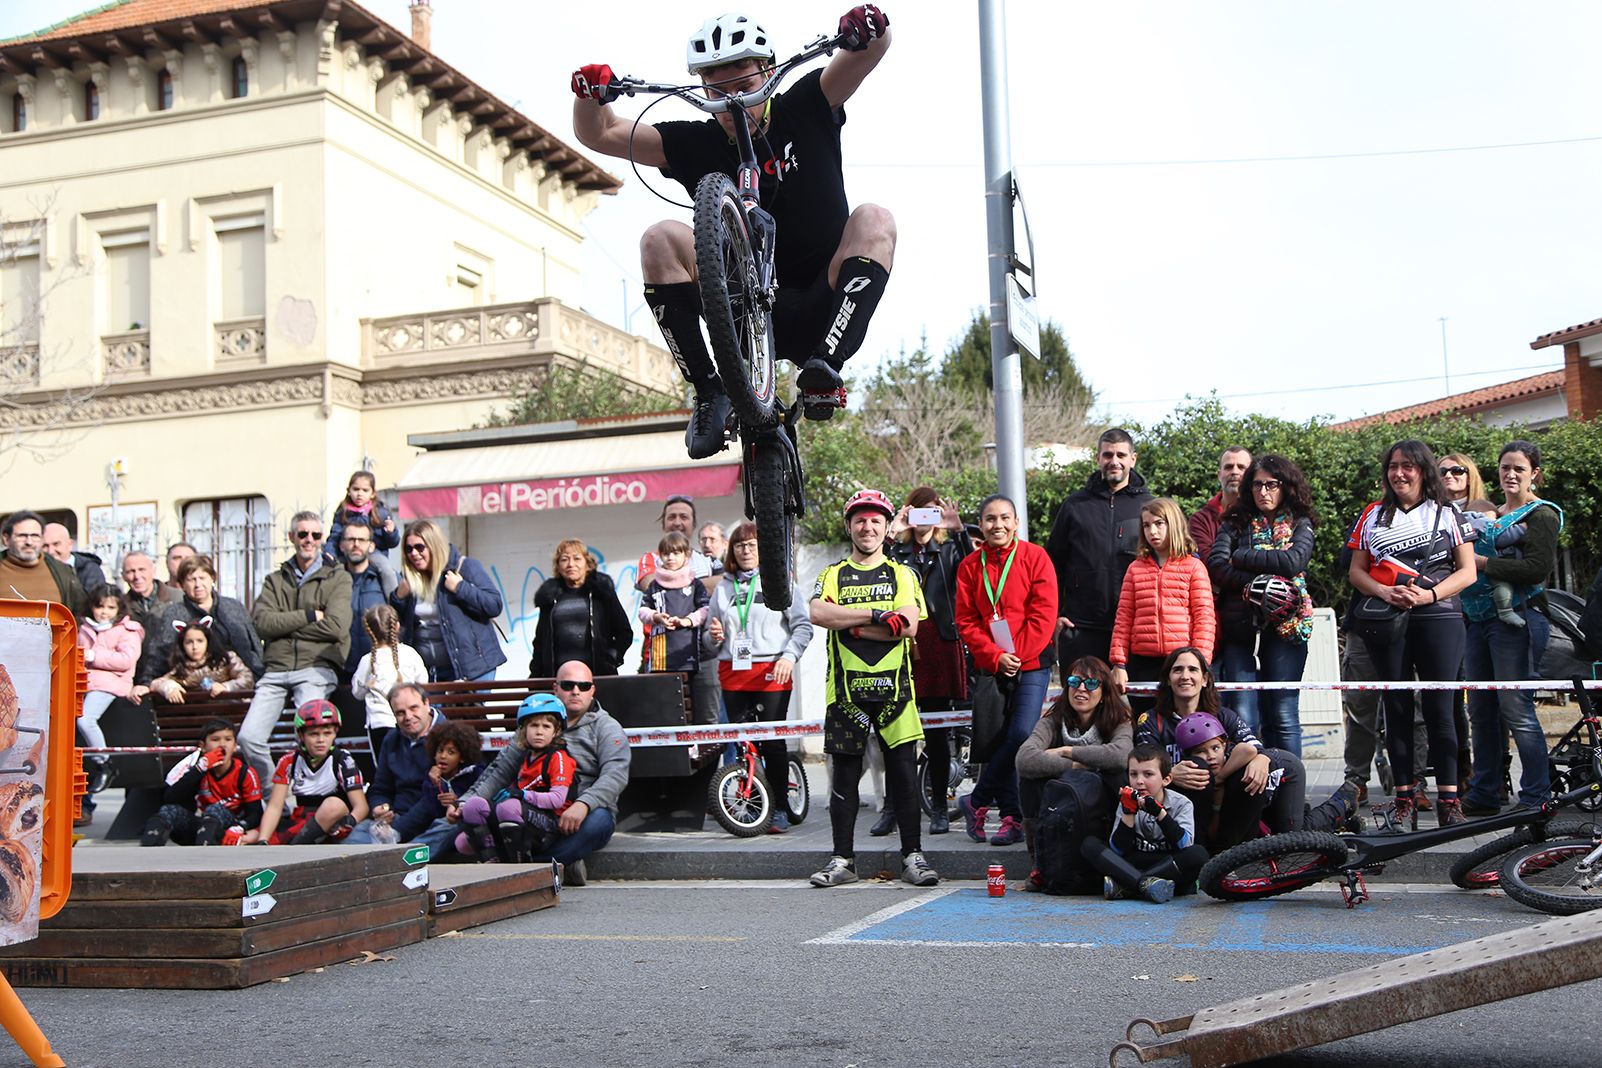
pixel 1093 542
pixel 611 629
pixel 938 570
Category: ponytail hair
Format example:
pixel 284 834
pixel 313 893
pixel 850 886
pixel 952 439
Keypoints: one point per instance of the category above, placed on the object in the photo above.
pixel 382 624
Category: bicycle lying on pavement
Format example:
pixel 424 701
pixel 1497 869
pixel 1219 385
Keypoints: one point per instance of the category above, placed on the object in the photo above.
pixel 1556 872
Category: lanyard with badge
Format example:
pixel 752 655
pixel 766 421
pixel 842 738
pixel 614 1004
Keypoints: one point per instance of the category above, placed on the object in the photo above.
pixel 743 646
pixel 999 630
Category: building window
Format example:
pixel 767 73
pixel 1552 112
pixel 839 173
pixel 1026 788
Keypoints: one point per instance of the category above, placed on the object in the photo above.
pixel 91 101
pixel 126 295
pixel 241 77
pixel 237 533
pixel 241 268
pixel 19 113
pixel 19 298
pixel 469 287
pixel 164 90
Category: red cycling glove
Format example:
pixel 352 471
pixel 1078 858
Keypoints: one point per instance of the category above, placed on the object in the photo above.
pixel 894 620
pixel 213 758
pixel 1126 800
pixel 862 24
pixel 593 81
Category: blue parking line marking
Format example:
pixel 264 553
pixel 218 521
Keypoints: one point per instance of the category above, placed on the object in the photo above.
pixel 969 917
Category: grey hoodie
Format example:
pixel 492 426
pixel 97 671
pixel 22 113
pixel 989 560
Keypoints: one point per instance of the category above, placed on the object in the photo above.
pixel 600 752
pixel 774 635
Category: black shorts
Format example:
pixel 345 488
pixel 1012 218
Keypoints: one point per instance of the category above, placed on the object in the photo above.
pixel 800 318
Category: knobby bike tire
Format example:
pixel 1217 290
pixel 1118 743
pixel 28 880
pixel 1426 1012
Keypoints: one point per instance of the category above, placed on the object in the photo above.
pixel 1481 867
pixel 798 798
pixel 739 801
pixel 768 480
pixel 739 328
pixel 1277 864
pixel 1541 876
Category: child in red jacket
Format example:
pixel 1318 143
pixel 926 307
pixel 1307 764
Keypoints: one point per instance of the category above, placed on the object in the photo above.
pixel 1166 602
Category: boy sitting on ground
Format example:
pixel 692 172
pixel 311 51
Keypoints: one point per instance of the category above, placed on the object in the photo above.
pixel 212 798
pixel 330 799
pixel 1152 852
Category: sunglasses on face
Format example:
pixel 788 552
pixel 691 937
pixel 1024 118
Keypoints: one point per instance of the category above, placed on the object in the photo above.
pixel 574 684
pixel 1075 682
pixel 1455 472
pixel 416 547
pixel 308 535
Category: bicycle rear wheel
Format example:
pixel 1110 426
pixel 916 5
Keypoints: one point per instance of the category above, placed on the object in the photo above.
pixel 1544 876
pixel 798 798
pixel 767 476
pixel 1481 867
pixel 1278 864
pixel 739 322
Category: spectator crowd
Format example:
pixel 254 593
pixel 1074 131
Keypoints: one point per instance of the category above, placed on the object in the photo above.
pixel 924 614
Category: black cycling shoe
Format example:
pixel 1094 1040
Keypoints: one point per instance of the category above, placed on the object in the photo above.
pixel 706 433
pixel 821 388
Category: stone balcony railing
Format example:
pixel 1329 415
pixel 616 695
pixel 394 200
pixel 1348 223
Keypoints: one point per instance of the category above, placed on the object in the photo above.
pixel 126 354
pixel 241 341
pixel 19 366
pixel 543 327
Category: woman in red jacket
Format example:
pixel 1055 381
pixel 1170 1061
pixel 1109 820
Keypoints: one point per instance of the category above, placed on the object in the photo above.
pixel 1166 603
pixel 1006 612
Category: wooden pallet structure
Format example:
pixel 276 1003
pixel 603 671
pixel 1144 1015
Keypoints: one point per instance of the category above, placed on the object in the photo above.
pixel 227 918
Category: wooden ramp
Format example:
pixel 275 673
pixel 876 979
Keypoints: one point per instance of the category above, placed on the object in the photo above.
pixel 466 895
pixel 223 918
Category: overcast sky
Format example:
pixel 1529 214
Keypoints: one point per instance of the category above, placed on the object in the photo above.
pixel 1294 287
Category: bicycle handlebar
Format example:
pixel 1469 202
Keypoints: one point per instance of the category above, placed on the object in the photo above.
pixel 822 46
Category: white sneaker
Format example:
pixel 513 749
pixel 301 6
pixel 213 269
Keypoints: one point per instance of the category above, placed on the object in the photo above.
pixel 916 870
pixel 837 872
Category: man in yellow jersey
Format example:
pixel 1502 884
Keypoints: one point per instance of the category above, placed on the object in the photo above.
pixel 870 605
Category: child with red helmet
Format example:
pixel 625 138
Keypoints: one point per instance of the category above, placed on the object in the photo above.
pixel 522 823
pixel 330 796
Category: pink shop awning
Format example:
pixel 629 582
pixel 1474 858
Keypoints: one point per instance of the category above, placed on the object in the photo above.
pixel 560 475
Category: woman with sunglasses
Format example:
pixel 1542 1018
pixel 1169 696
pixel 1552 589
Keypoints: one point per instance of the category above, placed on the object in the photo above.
pixel 1087 728
pixel 447 604
pixel 1462 480
pixel 1265 616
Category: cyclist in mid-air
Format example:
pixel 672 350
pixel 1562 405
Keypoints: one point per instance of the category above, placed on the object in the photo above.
pixel 832 262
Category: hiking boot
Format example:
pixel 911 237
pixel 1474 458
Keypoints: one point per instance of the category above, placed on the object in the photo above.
pixel 1404 816
pixel 1111 890
pixel 1157 891
pixel 821 388
pixel 916 871
pixel 1009 833
pixel 1034 884
pixel 1421 797
pixel 884 824
pixel 1449 812
pixel 705 436
pixel 838 872
pixel 974 817
pixel 1362 794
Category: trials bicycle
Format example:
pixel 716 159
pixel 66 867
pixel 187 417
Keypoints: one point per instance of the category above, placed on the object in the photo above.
pixel 1281 863
pixel 734 245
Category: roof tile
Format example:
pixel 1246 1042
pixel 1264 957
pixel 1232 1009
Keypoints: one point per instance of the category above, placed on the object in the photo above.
pixel 1463 403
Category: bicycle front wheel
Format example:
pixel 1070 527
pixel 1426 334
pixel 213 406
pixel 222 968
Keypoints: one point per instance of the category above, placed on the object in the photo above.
pixel 767 477
pixel 1278 864
pixel 1546 876
pixel 739 800
pixel 798 797
pixel 1481 867
pixel 739 322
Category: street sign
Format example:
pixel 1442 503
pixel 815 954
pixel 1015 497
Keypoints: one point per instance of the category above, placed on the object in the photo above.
pixel 259 905
pixel 1023 322
pixel 255 884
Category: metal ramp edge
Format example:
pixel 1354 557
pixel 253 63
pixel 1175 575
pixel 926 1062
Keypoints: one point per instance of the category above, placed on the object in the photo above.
pixel 1556 952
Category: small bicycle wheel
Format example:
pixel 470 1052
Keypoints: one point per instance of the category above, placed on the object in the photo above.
pixel 739 801
pixel 1278 864
pixel 1546 876
pixel 798 797
pixel 1481 868
pixel 767 475
pixel 739 322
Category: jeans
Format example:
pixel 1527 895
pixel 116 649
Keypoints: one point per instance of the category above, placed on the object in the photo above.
pixel 267 708
pixel 1497 651
pixel 1237 662
pixel 592 834
pixel 95 703
pixel 1280 710
pixel 998 783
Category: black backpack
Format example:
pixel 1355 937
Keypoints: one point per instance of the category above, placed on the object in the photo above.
pixel 1074 806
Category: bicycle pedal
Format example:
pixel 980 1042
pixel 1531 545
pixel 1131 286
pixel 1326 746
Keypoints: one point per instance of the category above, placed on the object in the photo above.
pixel 822 404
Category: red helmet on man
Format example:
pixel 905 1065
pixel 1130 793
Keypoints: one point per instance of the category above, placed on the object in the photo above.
pixel 869 498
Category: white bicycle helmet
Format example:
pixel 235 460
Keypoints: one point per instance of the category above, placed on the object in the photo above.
pixel 727 38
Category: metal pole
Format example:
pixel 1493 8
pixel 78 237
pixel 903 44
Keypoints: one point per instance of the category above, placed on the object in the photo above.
pixel 1005 364
pixel 1446 368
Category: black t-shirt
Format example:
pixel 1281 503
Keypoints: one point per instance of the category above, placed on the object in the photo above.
pixel 801 181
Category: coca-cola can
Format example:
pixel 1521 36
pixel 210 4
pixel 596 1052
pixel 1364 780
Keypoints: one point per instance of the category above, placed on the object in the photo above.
pixel 996 879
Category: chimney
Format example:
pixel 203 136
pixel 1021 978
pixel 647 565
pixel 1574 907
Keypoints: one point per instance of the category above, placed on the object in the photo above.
pixel 422 22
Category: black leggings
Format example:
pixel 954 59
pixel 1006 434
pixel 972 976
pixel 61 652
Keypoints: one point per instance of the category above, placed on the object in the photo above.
pixel 1432 649
pixel 1238 813
pixel 762 706
pixel 1182 865
pixel 901 778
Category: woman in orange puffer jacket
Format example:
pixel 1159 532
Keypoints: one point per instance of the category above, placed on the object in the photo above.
pixel 1166 602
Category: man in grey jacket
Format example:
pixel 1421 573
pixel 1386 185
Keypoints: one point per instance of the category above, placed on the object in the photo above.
pixel 600 752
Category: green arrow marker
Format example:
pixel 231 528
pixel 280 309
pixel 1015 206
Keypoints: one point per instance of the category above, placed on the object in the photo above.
pixel 417 855
pixel 255 884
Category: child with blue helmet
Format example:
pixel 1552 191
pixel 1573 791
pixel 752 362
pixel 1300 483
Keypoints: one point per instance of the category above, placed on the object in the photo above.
pixel 521 823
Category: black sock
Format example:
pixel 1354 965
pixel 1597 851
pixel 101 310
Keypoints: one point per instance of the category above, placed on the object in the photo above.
pixel 677 307
pixel 856 295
